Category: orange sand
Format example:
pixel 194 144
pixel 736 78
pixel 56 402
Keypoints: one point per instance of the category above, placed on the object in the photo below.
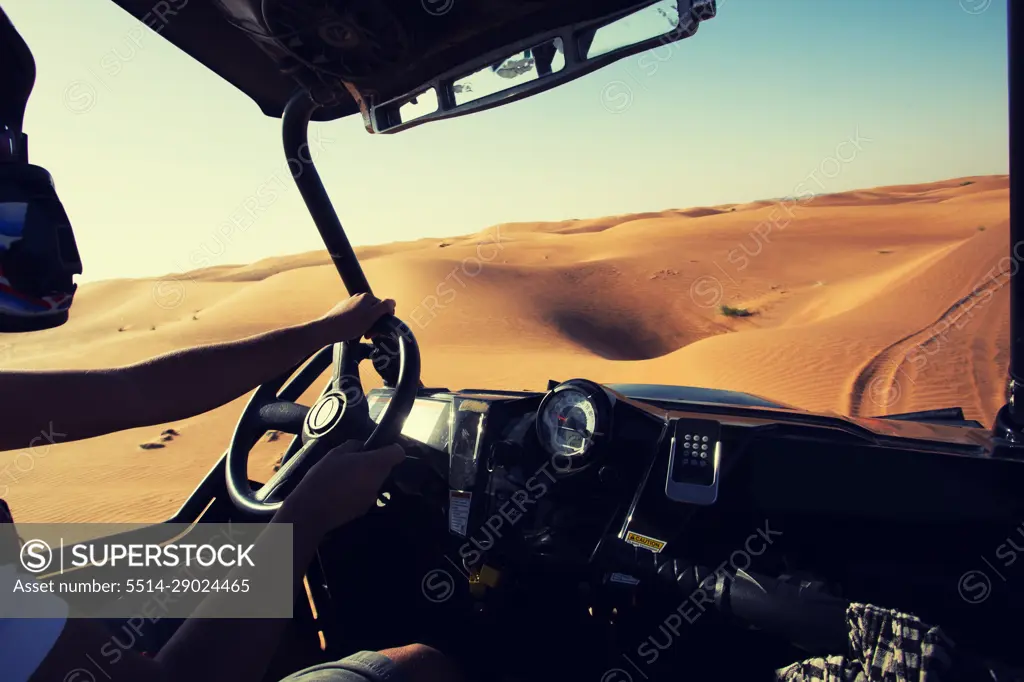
pixel 862 305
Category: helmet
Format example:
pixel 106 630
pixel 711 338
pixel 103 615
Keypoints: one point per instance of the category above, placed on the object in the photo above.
pixel 38 254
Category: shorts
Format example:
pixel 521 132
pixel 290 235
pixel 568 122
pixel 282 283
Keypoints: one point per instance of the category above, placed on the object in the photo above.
pixel 365 666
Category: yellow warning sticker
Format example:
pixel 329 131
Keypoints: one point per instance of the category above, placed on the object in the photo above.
pixel 638 540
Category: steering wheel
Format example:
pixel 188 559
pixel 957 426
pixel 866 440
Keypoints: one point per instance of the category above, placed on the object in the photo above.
pixel 340 413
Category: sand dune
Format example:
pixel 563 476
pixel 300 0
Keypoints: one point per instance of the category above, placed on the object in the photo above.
pixel 869 302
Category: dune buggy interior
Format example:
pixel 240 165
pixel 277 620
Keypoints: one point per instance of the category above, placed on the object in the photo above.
pixel 667 531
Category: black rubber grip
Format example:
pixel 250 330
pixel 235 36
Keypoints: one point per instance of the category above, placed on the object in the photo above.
pixel 809 618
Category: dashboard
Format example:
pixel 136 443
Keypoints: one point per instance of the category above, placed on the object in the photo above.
pixel 562 462
pixel 554 474
pixel 584 476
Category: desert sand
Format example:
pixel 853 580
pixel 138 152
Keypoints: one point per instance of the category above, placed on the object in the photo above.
pixel 868 302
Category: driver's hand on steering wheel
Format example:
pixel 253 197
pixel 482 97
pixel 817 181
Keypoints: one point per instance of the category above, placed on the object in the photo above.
pixel 354 317
pixel 342 486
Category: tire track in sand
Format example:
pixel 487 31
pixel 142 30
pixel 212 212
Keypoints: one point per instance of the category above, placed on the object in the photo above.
pixel 875 385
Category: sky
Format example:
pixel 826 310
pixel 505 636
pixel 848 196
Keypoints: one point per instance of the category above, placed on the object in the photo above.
pixel 152 154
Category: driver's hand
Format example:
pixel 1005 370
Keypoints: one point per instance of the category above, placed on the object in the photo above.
pixel 342 486
pixel 352 319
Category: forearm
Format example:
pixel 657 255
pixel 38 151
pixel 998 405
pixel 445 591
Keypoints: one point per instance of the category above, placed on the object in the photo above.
pixel 195 380
pixel 215 649
pixel 73 405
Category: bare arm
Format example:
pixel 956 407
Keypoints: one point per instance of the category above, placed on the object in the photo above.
pixel 77 404
pixel 86 403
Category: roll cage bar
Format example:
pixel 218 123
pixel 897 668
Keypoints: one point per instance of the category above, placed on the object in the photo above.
pixel 1010 420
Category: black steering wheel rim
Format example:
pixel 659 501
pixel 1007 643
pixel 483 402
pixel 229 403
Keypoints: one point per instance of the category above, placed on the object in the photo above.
pixel 340 408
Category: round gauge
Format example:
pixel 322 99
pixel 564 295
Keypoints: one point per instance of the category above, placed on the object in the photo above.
pixel 571 419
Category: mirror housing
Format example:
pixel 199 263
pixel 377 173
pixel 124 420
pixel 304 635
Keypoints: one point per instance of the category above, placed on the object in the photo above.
pixel 541 62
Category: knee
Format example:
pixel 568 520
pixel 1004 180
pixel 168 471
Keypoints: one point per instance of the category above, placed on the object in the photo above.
pixel 422 663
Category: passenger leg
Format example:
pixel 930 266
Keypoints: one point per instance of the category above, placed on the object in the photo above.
pixel 411 663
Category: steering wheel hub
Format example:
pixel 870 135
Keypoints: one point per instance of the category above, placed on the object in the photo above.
pixel 325 414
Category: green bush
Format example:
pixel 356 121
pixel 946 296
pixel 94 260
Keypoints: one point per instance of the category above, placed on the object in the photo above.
pixel 729 311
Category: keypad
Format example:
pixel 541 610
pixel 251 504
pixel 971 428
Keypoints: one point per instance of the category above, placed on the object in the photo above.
pixel 695 451
pixel 693 473
pixel 694 460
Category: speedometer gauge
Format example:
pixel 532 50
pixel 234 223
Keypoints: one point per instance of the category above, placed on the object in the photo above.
pixel 572 418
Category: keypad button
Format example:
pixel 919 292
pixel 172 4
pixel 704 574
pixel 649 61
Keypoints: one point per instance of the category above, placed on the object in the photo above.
pixel 705 439
pixel 704 455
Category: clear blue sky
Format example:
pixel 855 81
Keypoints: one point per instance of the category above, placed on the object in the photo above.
pixel 747 109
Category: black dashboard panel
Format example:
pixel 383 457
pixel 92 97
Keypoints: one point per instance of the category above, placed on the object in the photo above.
pixel 779 460
pixel 636 488
pixel 886 512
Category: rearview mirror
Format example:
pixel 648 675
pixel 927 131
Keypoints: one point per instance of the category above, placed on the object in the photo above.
pixel 527 66
pixel 540 63
pixel 642 26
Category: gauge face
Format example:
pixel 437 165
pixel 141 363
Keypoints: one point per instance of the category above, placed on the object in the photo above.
pixel 568 422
